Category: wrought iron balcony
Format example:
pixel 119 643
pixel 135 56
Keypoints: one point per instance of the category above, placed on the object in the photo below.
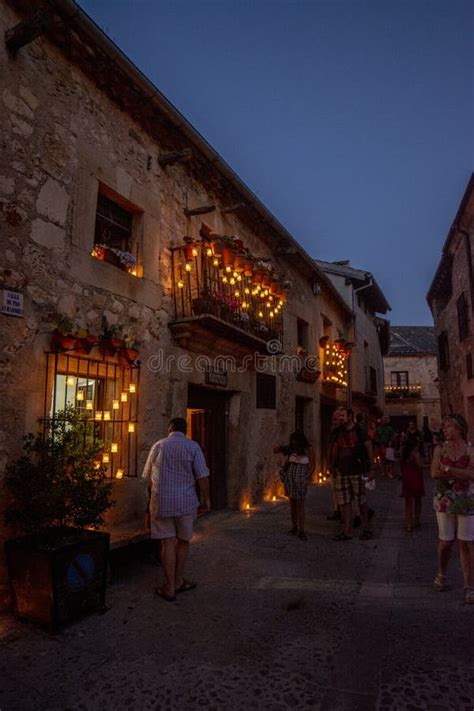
pixel 402 392
pixel 221 295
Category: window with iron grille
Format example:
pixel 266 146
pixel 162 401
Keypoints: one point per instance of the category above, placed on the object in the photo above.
pixel 266 391
pixel 399 378
pixel 113 224
pixel 104 393
pixel 463 318
pixel 443 351
pixel 469 372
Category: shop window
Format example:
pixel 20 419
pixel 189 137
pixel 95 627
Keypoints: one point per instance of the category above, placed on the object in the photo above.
pixel 443 351
pixel 266 391
pixel 463 318
pixel 399 378
pixel 104 393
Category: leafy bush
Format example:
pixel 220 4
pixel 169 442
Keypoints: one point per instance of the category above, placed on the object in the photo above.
pixel 57 482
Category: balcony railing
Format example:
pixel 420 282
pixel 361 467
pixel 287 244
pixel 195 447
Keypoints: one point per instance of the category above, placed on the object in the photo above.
pixel 207 286
pixel 402 392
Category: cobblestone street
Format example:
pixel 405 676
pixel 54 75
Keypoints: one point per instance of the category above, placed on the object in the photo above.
pixel 275 623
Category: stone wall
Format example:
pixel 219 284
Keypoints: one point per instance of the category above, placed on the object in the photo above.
pixel 62 138
pixel 456 389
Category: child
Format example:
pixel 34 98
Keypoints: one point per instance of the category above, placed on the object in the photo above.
pixel 389 459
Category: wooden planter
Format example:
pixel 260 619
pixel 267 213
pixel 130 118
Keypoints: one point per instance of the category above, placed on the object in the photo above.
pixel 54 583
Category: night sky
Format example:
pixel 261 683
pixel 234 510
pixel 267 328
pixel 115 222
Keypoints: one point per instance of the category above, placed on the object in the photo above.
pixel 352 121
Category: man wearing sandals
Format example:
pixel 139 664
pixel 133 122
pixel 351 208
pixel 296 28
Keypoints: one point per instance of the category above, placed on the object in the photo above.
pixel 453 469
pixel 173 467
pixel 347 467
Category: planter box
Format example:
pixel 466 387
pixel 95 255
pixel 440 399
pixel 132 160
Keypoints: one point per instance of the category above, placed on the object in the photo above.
pixel 57 583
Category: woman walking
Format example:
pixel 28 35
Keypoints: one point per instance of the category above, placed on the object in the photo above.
pixel 412 484
pixel 296 475
pixel 453 469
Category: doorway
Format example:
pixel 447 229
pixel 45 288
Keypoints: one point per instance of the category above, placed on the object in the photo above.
pixel 207 424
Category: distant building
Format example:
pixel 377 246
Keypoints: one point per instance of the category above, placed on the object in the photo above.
pixel 451 300
pixel 368 336
pixel 411 377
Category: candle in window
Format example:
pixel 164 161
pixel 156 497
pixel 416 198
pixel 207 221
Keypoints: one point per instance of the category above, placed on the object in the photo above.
pixel 106 415
pixel 70 381
pixel 119 474
pixel 131 427
pixel 114 447
pixel 105 458
pixel 124 397
pixel 133 388
pixel 98 415
pixel 89 405
pixel 115 404
pixel 80 396
pixel 180 283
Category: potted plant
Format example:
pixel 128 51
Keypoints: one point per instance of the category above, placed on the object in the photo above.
pixel 84 342
pixel 58 494
pixel 111 338
pixel 129 351
pixel 63 336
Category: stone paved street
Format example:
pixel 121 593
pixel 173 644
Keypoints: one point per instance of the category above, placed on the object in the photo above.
pixel 276 623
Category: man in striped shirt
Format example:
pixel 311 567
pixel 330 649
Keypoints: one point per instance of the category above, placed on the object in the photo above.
pixel 173 467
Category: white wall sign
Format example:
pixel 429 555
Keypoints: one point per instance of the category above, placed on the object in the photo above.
pixel 12 303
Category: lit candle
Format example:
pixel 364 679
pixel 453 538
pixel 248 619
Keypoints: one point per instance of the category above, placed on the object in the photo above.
pixel 89 405
pixel 98 415
pixel 209 252
pixel 105 458
pixel 106 415
pixel 131 427
pixel 70 381
pixel 115 404
pixel 124 397
pixel 80 396
pixel 215 262
pixel 114 447
pixel 180 284
pixel 228 269
pixel 274 498
pixel 132 388
pixel 119 474
pixel 194 252
pixel 188 266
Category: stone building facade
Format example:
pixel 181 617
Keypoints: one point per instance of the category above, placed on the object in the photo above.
pixel 411 378
pixel 100 181
pixel 451 300
pixel 368 334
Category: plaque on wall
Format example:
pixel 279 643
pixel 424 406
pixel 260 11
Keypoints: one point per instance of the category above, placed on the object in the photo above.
pixel 214 376
pixel 12 304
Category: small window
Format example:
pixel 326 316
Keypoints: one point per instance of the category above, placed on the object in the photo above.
pixel 399 378
pixel 469 366
pixel 371 381
pixel 463 320
pixel 266 391
pixel 443 351
pixel 113 224
pixel 302 334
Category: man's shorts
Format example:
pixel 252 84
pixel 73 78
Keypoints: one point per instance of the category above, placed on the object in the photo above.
pixel 172 526
pixel 349 487
pixel 447 527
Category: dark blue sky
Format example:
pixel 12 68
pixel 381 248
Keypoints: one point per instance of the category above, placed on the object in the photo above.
pixel 352 120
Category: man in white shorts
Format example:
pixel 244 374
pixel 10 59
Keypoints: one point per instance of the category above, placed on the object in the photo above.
pixel 173 467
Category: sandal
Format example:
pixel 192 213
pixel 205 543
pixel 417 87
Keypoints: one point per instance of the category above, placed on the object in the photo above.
pixel 469 595
pixel 185 586
pixel 439 583
pixel 342 537
pixel 366 535
pixel 161 593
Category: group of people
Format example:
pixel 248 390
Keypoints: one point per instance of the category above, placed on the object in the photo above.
pixel 176 472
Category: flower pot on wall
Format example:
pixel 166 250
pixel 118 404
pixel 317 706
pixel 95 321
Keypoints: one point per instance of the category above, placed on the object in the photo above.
pixel 228 256
pixel 127 357
pixel 62 342
pixel 84 345
pixel 239 263
pixel 111 345
pixel 266 279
